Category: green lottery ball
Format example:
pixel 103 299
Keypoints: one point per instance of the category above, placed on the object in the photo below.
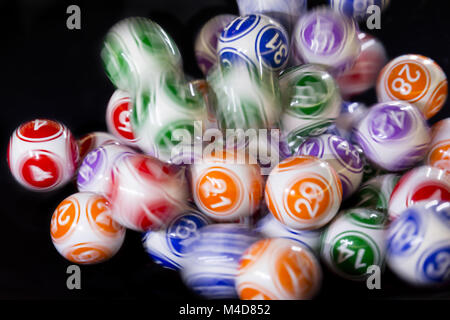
pixel 137 50
pixel 169 116
pixel 353 242
pixel 245 98
pixel 311 103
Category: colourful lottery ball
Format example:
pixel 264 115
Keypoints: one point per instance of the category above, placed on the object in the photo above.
pixel 92 140
pixel 42 155
pixel 244 99
pixel 375 193
pixel 118 117
pixel 225 190
pixel 146 193
pixel 94 174
pixel 137 51
pixel 82 229
pixel 341 155
pixel 421 184
pixel 286 12
pixel 439 152
pixel 166 246
pixel 212 260
pixel 272 228
pixel 255 40
pixel 311 102
pixel 278 269
pixel 326 37
pixel 354 241
pixel 416 79
pixel 351 114
pixel 303 192
pixel 393 135
pixel 419 244
pixel 364 73
pixel 206 41
pixel 357 8
pixel 167 117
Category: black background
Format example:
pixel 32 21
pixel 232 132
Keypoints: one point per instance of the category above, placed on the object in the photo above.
pixel 48 71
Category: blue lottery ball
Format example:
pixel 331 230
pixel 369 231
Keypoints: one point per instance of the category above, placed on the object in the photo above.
pixel 418 244
pixel 165 246
pixel 357 8
pixel 212 259
pixel 255 40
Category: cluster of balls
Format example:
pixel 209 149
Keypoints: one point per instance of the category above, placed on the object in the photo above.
pixel 353 187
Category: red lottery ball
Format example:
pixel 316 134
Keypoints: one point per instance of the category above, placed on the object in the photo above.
pixel 42 155
pixel 146 193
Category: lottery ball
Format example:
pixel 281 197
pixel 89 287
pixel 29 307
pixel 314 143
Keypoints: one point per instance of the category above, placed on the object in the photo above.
pixel 341 155
pixel 82 229
pixel 286 12
pixel 254 40
pixel 439 152
pixel 375 193
pixel 356 8
pixel 244 100
pixel 206 41
pixel 311 102
pixel 354 241
pixel 94 174
pixel 351 114
pixel 166 246
pixel 270 227
pixel 137 51
pixel 42 155
pixel 364 73
pixel 421 184
pixel 278 269
pixel 303 192
pixel 146 193
pixel 419 244
pixel 212 260
pixel 166 118
pixel 224 189
pixel 393 135
pixel 118 117
pixel 326 37
pixel 416 79
pixel 93 140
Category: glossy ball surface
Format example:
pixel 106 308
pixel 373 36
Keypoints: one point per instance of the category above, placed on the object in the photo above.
pixel 363 75
pixel 146 193
pixel 118 113
pixel 206 41
pixel 341 155
pixel 270 227
pixel 326 37
pixel 278 269
pixel 166 246
pixel 421 184
pixel 303 192
pixel 212 260
pixel 439 152
pixel 82 229
pixel 416 79
pixel 94 174
pixel 393 135
pixel 42 155
pixel 93 140
pixel 419 244
pixel 225 190
pixel 311 103
pixel 355 241
pixel 255 40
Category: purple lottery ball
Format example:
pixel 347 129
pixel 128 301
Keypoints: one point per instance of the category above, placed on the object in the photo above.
pixel 393 135
pixel 341 155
